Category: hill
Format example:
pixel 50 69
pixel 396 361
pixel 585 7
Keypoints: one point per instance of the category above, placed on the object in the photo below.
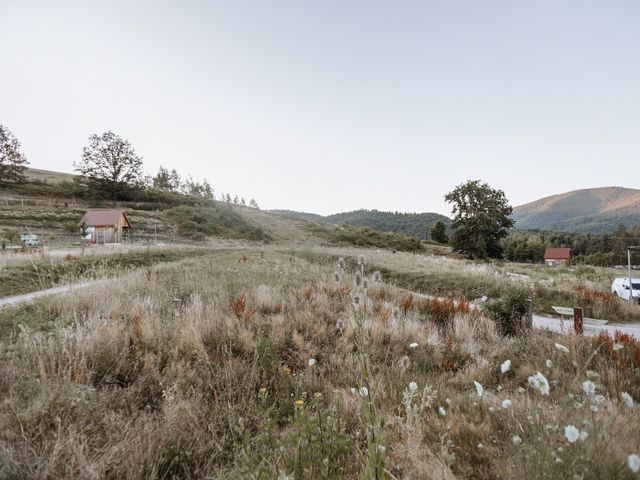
pixel 411 224
pixel 589 210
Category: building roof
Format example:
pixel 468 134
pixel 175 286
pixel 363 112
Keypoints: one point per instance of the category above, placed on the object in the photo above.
pixel 557 254
pixel 104 218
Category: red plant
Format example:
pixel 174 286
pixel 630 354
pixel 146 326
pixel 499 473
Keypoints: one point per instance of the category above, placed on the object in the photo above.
pixel 407 304
pixel 590 296
pixel 627 356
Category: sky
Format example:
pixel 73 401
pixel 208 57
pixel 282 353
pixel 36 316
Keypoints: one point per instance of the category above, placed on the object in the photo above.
pixel 330 106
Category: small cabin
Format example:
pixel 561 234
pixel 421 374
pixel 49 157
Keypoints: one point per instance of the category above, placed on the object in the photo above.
pixel 106 226
pixel 557 257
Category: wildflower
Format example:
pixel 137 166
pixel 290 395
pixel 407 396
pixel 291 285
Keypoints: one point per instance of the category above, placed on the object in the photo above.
pixel 594 409
pixel 617 346
pixel 382 448
pixel 589 387
pixel 480 445
pixel 413 345
pixel 479 388
pixel 506 365
pixel 506 403
pixel 341 263
pixel 340 325
pixel 286 370
pixel 299 403
pixel 312 362
pixel 626 399
pixel 600 398
pixel 516 440
pixel 540 383
pixel 562 348
pixel 356 300
pixel 364 392
pixel 633 461
pixel 442 411
pixel 353 390
pixel 262 390
pixel 377 277
pixel 592 374
pixel 336 277
pixel 571 433
pixel 549 364
pixel 317 395
pixel 491 409
pixel 521 390
pixel 405 363
pixel 413 387
pixel 448 401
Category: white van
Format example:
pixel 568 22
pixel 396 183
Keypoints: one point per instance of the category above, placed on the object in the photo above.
pixel 620 288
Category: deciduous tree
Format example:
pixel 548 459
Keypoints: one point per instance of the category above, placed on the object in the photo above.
pixel 12 161
pixel 110 166
pixel 481 218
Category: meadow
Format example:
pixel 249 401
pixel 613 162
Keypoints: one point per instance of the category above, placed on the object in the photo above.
pixel 308 362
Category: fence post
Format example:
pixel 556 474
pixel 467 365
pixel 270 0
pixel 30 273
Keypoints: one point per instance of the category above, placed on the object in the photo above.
pixel 577 320
pixel 529 316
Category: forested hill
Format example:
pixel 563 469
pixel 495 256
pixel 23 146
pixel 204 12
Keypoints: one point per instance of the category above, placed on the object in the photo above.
pixel 592 210
pixel 412 224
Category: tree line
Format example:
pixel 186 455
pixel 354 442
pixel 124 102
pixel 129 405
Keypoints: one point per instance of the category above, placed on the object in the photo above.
pixel 110 169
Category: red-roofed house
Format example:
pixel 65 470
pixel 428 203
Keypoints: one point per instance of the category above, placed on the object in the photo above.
pixel 554 257
pixel 106 226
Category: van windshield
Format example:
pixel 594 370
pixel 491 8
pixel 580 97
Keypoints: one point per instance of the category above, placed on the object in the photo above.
pixel 636 286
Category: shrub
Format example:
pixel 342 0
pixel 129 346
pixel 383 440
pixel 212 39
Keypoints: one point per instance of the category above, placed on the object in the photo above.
pixel 509 310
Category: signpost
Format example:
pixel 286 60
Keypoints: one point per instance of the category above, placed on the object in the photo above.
pixel 577 320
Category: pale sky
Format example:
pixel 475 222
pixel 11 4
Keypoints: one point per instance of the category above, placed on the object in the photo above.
pixel 329 106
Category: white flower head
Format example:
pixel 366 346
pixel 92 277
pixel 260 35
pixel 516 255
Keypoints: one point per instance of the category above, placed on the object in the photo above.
pixel 633 461
pixel 594 409
pixel 442 411
pixel 549 363
pixel 618 346
pixel 479 388
pixel 413 387
pixel 353 390
pixel 516 440
pixel 413 345
pixel 506 365
pixel 562 348
pixel 312 362
pixel 540 383
pixel 571 433
pixel 506 403
pixel 626 399
pixel 364 392
pixel 589 387
pixel 583 436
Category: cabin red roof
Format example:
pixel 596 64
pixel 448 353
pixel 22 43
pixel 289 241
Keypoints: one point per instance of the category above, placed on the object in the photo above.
pixel 104 218
pixel 557 254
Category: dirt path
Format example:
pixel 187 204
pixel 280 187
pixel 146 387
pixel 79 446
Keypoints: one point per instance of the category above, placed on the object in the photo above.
pixel 27 297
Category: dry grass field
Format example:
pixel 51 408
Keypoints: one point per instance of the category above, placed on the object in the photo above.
pixel 305 362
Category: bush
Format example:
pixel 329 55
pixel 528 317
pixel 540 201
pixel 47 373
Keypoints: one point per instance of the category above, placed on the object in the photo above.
pixel 509 310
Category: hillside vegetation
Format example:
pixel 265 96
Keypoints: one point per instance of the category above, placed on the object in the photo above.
pixel 590 210
pixel 409 224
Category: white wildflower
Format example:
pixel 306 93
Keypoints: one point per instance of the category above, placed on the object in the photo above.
pixel 571 433
pixel 562 348
pixel 479 388
pixel 413 387
pixel 549 364
pixel 364 392
pixel 442 411
pixel 312 362
pixel 353 390
pixel 618 346
pixel 540 383
pixel 506 365
pixel 413 345
pixel 583 436
pixel 600 398
pixel 626 399
pixel 480 445
pixel 589 387
pixel 521 390
pixel 516 440
pixel 506 403
pixel 592 374
pixel 491 409
pixel 633 461
pixel 594 409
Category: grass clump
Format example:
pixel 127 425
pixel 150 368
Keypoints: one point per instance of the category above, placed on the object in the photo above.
pixel 365 237
pixel 508 311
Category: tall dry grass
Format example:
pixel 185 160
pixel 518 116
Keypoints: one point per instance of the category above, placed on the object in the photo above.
pixel 166 374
